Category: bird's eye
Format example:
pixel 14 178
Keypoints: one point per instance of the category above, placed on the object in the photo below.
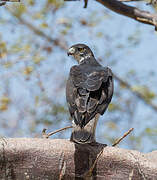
pixel 81 49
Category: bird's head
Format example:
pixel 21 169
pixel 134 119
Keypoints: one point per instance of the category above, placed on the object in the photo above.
pixel 80 52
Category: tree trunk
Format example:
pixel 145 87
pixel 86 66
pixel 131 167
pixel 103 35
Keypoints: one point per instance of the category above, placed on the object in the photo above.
pixel 56 159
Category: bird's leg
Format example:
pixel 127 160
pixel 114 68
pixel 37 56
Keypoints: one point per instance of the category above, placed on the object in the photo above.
pixel 45 135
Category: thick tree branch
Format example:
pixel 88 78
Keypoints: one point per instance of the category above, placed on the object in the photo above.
pixel 128 0
pixel 132 12
pixel 55 159
pixel 135 92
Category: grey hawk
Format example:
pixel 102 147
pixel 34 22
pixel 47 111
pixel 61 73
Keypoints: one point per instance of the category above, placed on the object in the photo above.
pixel 89 90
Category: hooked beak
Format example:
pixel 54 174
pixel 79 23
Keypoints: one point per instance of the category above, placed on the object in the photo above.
pixel 71 51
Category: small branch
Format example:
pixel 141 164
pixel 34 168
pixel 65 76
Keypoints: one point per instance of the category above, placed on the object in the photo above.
pixel 85 2
pixel 71 0
pixel 2 4
pixel 128 0
pixel 89 173
pixel 132 12
pixel 44 135
pixel 149 3
pixel 56 42
pixel 120 139
pixel 62 167
pixel 136 93
pixel 129 11
pixel 11 0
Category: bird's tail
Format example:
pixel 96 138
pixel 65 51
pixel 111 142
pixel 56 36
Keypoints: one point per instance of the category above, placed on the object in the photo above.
pixel 86 134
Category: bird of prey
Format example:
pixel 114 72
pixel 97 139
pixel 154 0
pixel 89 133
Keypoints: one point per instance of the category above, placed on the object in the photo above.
pixel 89 90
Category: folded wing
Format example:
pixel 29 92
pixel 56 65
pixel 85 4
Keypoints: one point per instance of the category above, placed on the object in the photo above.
pixel 88 92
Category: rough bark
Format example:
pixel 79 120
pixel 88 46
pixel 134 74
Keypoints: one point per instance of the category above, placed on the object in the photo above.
pixel 24 158
pixel 130 11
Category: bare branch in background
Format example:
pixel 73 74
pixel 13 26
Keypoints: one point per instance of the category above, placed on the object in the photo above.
pixel 2 4
pixel 85 2
pixel 11 0
pixel 151 2
pixel 56 42
pixel 135 92
pixel 130 11
pixel 4 1
pixel 128 0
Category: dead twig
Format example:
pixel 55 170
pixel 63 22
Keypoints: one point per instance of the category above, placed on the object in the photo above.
pixel 89 173
pixel 135 13
pixel 129 0
pixel 149 3
pixel 2 4
pixel 62 167
pixel 85 2
pixel 45 135
pixel 120 139
pixel 10 0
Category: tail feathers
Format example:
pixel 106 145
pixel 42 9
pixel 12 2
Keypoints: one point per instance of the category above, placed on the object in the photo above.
pixel 84 134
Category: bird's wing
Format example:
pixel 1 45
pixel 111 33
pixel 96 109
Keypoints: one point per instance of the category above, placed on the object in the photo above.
pixel 88 93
